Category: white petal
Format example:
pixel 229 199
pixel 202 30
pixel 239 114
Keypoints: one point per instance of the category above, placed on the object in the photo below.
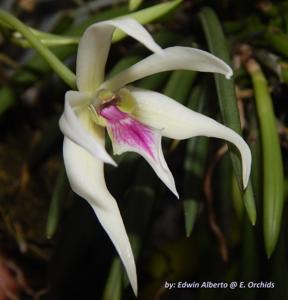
pixel 94 47
pixel 86 177
pixel 173 58
pixel 179 122
pixel 71 126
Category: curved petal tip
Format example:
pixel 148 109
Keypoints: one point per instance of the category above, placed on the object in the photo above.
pixel 179 122
pixel 229 74
pixel 246 166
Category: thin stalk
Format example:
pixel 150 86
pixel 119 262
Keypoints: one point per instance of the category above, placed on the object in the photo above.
pixel 65 73
pixel 47 39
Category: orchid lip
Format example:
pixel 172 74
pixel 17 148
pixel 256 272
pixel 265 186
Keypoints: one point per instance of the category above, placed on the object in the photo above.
pixel 127 133
pixel 126 130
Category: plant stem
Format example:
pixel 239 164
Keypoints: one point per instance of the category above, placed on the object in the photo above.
pixel 65 73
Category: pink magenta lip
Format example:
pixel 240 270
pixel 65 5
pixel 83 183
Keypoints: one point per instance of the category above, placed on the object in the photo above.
pixel 127 130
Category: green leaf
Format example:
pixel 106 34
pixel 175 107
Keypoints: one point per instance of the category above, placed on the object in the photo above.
pixel 113 287
pixel 134 4
pixel 194 163
pixel 123 64
pixel 7 98
pixel 249 263
pixel 190 212
pixel 278 41
pixel 54 212
pixel 153 82
pixel 273 176
pixel 227 99
pixel 172 89
pixel 47 39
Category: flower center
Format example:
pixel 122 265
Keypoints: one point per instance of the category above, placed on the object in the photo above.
pixel 106 96
pixel 123 100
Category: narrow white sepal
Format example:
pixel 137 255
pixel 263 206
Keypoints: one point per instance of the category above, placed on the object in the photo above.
pixel 71 126
pixel 86 177
pixel 94 47
pixel 179 122
pixel 173 58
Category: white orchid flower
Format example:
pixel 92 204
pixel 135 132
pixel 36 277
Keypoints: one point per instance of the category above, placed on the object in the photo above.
pixel 135 120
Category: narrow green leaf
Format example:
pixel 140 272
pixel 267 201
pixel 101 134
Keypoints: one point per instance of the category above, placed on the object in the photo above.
pixel 237 198
pixel 7 98
pixel 54 212
pixel 172 89
pixel 113 287
pixel 194 163
pixel 140 200
pixel 273 177
pixel 47 39
pixel 227 99
pixel 278 269
pixel 278 41
pixel 249 202
pixel 153 82
pixel 256 170
pixel 190 212
pixel 255 146
pixel 123 64
pixel 134 4
pixel 250 260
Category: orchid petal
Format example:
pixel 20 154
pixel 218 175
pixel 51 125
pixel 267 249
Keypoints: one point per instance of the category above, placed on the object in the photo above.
pixel 127 134
pixel 86 177
pixel 179 122
pixel 173 58
pixel 94 48
pixel 71 126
